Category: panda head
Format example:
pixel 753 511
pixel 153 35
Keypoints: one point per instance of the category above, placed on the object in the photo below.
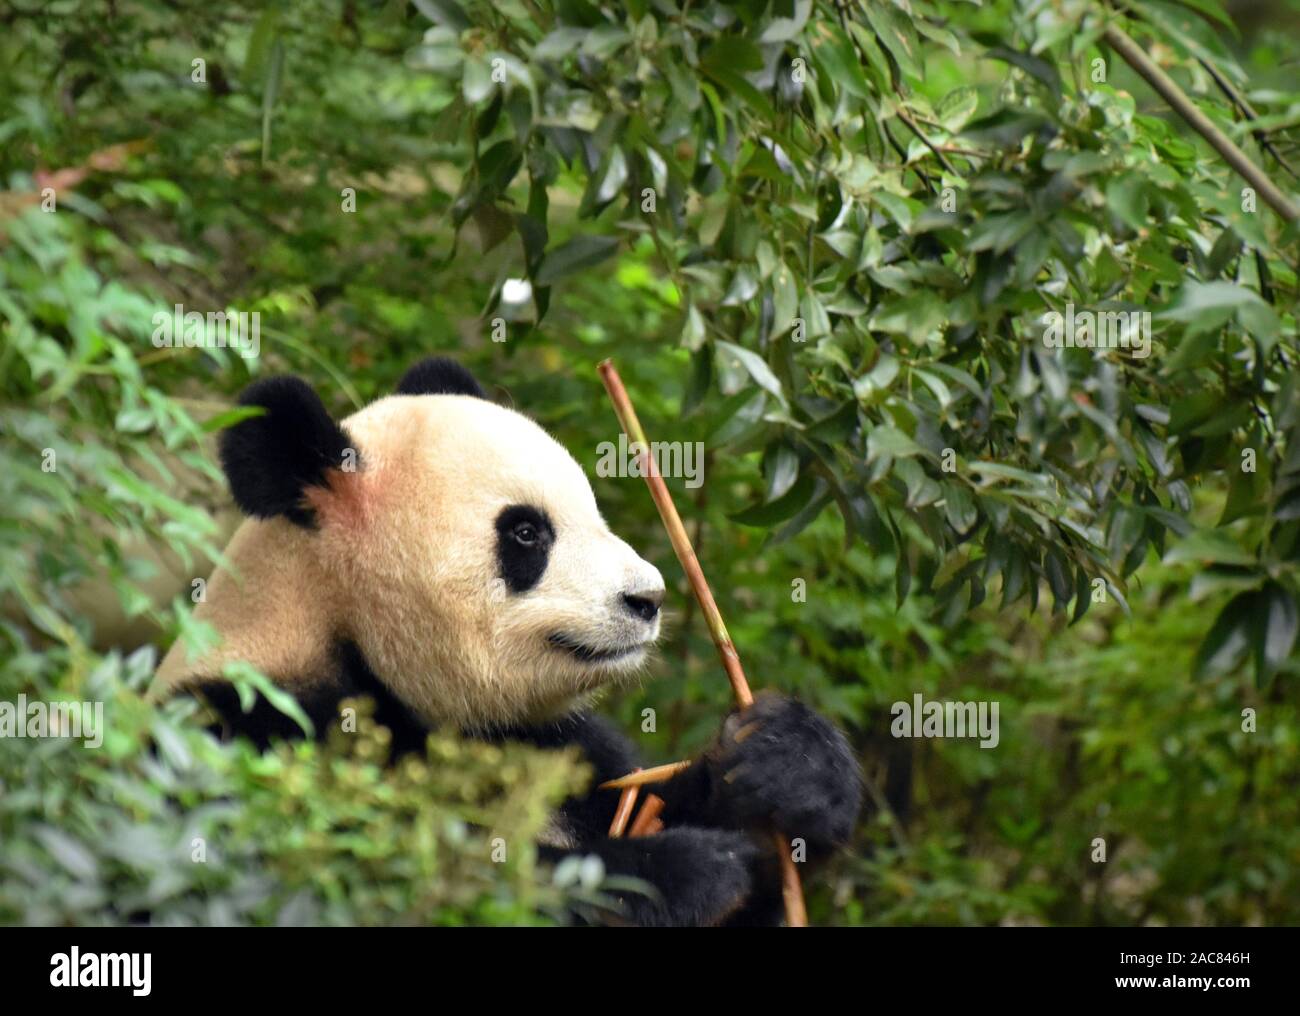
pixel 452 541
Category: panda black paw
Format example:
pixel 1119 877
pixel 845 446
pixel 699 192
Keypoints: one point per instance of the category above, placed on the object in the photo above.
pixel 779 764
pixel 697 877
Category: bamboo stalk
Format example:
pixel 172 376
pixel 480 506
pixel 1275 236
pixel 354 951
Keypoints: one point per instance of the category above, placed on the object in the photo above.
pixel 796 915
pixel 677 534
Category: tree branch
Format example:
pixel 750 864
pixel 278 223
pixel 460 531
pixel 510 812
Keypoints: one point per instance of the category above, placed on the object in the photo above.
pixel 1168 90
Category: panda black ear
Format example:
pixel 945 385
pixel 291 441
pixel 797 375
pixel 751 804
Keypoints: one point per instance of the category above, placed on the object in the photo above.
pixel 270 460
pixel 439 376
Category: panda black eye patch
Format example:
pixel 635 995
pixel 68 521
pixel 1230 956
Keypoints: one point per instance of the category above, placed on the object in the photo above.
pixel 524 540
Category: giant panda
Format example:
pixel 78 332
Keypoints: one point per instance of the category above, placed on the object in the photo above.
pixel 445 556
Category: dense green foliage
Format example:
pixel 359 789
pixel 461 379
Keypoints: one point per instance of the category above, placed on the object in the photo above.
pixel 195 833
pixel 818 238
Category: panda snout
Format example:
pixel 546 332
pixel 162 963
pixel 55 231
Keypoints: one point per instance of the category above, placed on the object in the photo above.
pixel 645 604
pixel 638 593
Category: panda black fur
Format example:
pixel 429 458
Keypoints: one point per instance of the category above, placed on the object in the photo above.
pixel 444 557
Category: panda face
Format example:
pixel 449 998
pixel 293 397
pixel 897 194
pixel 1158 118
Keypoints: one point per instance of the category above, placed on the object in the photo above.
pixel 451 541
pixel 481 582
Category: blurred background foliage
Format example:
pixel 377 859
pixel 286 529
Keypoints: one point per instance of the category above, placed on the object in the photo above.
pixel 816 237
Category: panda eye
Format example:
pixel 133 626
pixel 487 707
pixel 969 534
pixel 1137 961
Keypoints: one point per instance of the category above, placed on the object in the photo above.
pixel 524 540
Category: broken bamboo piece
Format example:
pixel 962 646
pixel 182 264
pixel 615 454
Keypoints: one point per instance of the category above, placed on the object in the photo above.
pixel 640 777
pixel 626 802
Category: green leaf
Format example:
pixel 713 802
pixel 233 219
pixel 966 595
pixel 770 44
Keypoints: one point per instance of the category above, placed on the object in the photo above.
pixel 1000 233
pixel 737 85
pixel 230 417
pixel 1039 69
pixel 784 507
pixel 1215 580
pixel 1006 128
pixel 836 427
pixel 895 32
pixel 1229 638
pixel 834 51
pixel 921 488
pixel 1233 417
pixel 607 182
pixel 133 420
pixel 270 95
pixel 732 53
pixel 942 393
pixel 821 498
pixel 1209 547
pixel 887 440
pixel 443 12
pixel 740 413
pixel 1278 620
pixel 915 316
pixel 874 384
pixel 756 367
pixel 1247 495
pixel 73 855
pixel 259 43
pixel 785 299
pixel 959 507
pixel 785 29
pixel 579 253
pixel 248 680
pixel 559 43
pixel 1193 410
pixel 781 467
pixel 1205 306
pixel 957 107
pixel 1057 567
pixel 693 331
pixel 1127 197
pixel 476 80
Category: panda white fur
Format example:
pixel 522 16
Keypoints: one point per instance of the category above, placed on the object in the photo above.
pixel 445 556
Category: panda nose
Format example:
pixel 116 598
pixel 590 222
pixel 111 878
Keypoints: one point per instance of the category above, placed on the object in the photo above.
pixel 644 605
